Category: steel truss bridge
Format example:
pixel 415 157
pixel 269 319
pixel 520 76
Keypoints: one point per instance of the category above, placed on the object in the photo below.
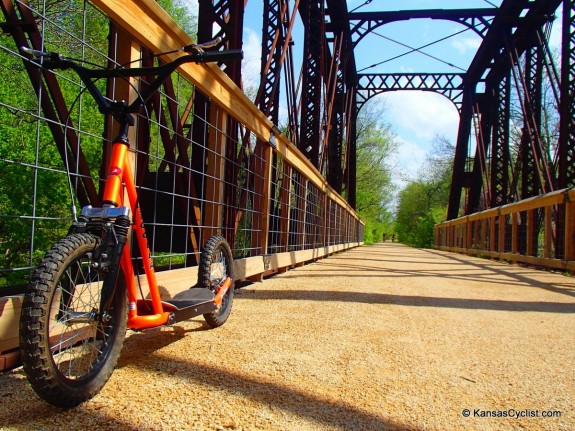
pixel 210 160
pixel 501 97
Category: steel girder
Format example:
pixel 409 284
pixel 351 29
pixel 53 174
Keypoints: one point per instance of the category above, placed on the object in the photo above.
pixel 449 85
pixel 362 23
pixel 224 19
pixel 273 37
pixel 511 34
pixel 276 39
pixel 531 157
pixel 566 151
pixel 341 168
pixel 501 95
pixel 313 17
pixel 336 136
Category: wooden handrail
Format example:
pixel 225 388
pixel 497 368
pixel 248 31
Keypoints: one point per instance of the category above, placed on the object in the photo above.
pixel 497 235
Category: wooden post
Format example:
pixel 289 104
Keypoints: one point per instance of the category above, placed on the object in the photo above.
pixel 569 231
pixel 214 190
pixel 548 232
pixel 263 183
pixel 128 51
pixel 514 229
pixel 501 234
pixel 514 239
pixel 530 232
pixel 285 207
pixel 492 234
pixel 469 232
pixel 483 234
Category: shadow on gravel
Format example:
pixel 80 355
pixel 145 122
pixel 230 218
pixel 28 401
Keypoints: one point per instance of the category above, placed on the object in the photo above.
pixel 491 272
pixel 23 410
pixel 564 289
pixel 411 301
pixel 340 415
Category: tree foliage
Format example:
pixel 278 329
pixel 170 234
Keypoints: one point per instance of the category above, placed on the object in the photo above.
pixel 423 202
pixel 374 192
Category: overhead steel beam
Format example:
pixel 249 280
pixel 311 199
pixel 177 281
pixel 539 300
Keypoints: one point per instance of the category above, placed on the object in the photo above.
pixel 478 20
pixel 449 85
pixel 525 16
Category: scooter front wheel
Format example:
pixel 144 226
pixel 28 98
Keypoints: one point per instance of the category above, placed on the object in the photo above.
pixel 69 345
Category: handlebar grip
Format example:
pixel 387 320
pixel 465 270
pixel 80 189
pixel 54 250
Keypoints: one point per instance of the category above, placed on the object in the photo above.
pixel 215 56
pixel 34 52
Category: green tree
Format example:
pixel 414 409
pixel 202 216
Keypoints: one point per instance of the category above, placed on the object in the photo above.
pixel 423 202
pixel 182 14
pixel 375 189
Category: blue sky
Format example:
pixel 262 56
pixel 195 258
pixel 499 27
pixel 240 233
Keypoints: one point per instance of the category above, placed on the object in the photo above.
pixel 416 118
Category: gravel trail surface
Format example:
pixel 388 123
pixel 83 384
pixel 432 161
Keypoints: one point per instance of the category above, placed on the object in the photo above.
pixel 382 337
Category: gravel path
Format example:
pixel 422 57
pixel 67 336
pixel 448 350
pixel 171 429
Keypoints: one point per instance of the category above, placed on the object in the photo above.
pixel 383 337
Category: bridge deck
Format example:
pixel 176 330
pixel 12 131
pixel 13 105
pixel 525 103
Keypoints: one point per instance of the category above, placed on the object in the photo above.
pixel 380 337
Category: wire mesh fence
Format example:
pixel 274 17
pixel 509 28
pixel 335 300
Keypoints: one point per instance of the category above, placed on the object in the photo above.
pixel 198 171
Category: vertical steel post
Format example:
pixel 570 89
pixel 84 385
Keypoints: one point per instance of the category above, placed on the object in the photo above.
pixel 461 152
pixel 500 142
pixel 312 15
pixel 566 176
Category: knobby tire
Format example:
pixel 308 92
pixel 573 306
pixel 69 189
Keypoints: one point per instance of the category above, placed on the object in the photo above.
pixel 216 263
pixel 69 347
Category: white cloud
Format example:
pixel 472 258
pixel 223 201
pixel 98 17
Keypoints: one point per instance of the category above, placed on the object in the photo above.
pixel 251 64
pixel 464 45
pixel 408 160
pixel 421 116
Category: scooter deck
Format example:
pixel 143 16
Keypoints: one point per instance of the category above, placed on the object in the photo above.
pixel 191 303
pixel 191 297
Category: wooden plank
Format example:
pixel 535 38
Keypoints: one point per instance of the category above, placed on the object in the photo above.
pixel 9 321
pixel 9 360
pixel 552 198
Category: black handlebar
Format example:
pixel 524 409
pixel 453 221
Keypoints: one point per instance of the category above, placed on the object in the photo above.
pixel 195 54
pixel 217 56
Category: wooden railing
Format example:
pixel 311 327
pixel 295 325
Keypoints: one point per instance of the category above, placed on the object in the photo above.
pixel 538 231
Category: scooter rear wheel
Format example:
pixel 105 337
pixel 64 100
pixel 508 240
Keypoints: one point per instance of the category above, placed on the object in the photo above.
pixel 216 264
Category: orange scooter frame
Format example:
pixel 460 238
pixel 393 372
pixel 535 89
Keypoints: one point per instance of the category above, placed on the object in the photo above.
pixel 163 313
